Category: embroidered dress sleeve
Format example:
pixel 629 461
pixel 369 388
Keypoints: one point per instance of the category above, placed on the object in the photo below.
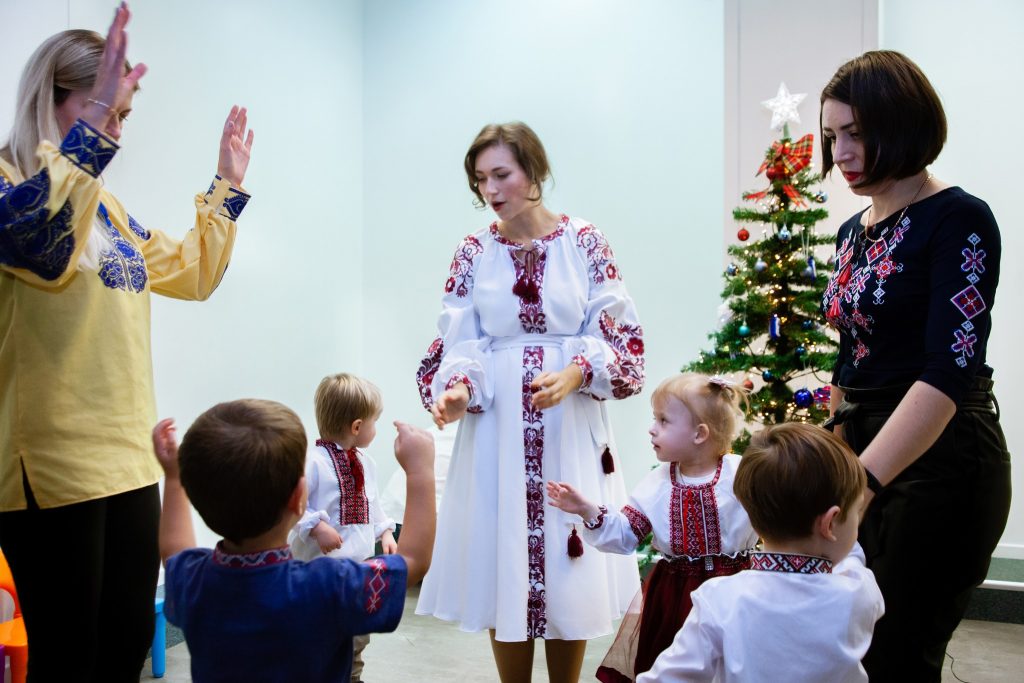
pixel 461 351
pixel 191 268
pixel 380 521
pixel 45 220
pixel 963 274
pixel 695 653
pixel 369 596
pixel 610 348
pixel 617 532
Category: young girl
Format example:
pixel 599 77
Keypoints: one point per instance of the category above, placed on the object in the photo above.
pixel 687 502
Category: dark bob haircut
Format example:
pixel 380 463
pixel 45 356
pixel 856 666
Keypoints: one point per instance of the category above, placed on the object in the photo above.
pixel 897 111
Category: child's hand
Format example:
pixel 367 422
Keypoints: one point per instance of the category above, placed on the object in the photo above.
pixel 388 544
pixel 550 388
pixel 568 499
pixel 326 537
pixel 414 449
pixel 451 405
pixel 165 445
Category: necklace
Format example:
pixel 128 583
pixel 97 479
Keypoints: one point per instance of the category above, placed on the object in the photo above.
pixel 870 226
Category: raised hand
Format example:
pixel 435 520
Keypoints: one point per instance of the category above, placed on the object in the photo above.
pixel 165 446
pixel 567 499
pixel 112 89
pixel 450 406
pixel 414 449
pixel 550 388
pixel 235 147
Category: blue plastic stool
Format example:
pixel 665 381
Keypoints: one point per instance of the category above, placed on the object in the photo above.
pixel 160 641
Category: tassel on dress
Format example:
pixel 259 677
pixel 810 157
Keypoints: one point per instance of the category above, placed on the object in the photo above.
pixel 575 544
pixel 607 463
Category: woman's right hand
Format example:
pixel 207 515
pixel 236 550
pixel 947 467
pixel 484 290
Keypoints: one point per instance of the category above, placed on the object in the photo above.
pixel 112 86
pixel 451 405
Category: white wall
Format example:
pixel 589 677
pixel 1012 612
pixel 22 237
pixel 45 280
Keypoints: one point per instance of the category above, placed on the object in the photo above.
pixel 974 56
pixel 627 98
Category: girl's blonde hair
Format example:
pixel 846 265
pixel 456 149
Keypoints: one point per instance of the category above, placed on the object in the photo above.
pixel 712 401
pixel 341 400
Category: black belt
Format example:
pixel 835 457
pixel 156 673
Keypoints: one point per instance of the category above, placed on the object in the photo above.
pixel 978 399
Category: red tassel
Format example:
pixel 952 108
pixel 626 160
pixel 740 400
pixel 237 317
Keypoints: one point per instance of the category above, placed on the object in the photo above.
pixel 526 289
pixel 575 544
pixel 606 461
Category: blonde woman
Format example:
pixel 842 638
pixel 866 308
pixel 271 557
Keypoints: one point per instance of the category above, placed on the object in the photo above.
pixel 79 505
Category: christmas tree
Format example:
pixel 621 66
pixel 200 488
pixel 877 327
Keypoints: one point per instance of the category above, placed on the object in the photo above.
pixel 773 332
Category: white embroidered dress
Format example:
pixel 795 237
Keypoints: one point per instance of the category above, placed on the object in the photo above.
pixel 500 559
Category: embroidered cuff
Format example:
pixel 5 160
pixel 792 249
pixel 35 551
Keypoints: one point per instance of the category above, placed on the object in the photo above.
pixel 458 378
pixel 598 521
pixel 586 369
pixel 231 200
pixel 87 148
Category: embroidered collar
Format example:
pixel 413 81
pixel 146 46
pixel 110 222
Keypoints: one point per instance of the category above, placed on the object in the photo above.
pixel 262 558
pixel 791 563
pixel 563 221
pixel 677 479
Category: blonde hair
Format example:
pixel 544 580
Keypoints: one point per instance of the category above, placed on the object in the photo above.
pixel 712 401
pixel 341 400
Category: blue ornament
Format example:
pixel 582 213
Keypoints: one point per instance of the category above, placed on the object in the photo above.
pixel 731 269
pixel 811 271
pixel 807 325
pixel 767 376
pixel 760 265
pixel 803 398
pixel 773 326
pixel 801 350
pixel 785 235
pixel 821 197
pixel 744 330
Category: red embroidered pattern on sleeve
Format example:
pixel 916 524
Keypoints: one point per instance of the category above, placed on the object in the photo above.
pixel 626 372
pixel 376 586
pixel 428 368
pixel 460 277
pixel 599 254
pixel 599 521
pixel 969 301
pixel 586 369
pixel 638 522
pixel 461 378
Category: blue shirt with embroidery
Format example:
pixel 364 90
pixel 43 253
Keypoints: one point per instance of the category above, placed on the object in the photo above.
pixel 916 304
pixel 267 617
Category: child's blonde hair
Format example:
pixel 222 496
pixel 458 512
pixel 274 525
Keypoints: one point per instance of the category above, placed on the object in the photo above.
pixel 342 399
pixel 712 401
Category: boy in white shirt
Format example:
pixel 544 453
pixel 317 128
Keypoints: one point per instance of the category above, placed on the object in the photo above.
pixel 344 518
pixel 806 608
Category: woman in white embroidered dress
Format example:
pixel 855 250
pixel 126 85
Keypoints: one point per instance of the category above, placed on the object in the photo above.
pixel 536 331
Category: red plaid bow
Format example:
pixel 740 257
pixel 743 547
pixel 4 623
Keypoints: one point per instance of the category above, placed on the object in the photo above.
pixel 786 159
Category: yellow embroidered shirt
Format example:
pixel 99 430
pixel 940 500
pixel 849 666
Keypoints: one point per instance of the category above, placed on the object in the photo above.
pixel 76 377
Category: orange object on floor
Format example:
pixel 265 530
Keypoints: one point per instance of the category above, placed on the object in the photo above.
pixel 12 633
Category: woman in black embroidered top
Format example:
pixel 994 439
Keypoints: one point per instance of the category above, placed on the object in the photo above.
pixel 911 295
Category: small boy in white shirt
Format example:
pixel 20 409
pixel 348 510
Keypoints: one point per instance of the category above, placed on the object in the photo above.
pixel 344 518
pixel 807 607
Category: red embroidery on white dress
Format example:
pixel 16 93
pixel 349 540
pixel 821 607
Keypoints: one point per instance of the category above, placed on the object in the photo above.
pixel 355 508
pixel 533 455
pixel 461 378
pixel 563 220
pixel 626 371
pixel 599 254
pixel 695 529
pixel 638 522
pixel 969 301
pixel 598 522
pixel 376 586
pixel 460 277
pixel 586 368
pixel 529 267
pixel 262 558
pixel 428 368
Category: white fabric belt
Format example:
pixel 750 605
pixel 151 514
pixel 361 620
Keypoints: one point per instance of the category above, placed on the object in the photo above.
pixel 521 340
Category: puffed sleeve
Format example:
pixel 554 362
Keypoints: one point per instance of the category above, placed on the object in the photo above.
pixel 617 532
pixel 610 349
pixel 695 653
pixel 316 507
pixel 963 273
pixel 45 220
pixel 461 351
pixel 191 268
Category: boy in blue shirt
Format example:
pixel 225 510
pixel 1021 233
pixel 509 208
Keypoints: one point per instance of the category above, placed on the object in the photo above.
pixel 248 610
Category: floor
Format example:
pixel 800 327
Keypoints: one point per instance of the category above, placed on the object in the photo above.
pixel 425 649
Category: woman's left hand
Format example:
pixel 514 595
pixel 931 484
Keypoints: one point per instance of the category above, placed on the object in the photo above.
pixel 549 388
pixel 235 146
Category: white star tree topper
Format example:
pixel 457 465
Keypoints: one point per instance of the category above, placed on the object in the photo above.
pixel 783 106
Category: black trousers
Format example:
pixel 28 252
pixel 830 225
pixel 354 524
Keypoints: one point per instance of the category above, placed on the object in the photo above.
pixel 86 577
pixel 929 536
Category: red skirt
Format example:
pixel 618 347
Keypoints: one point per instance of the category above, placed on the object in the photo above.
pixel 658 612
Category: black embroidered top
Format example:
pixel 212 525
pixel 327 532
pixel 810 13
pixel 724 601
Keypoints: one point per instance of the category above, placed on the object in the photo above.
pixel 916 304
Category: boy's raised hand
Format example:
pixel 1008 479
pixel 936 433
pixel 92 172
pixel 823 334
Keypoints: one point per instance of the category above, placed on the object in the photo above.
pixel 567 499
pixel 165 446
pixel 414 448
